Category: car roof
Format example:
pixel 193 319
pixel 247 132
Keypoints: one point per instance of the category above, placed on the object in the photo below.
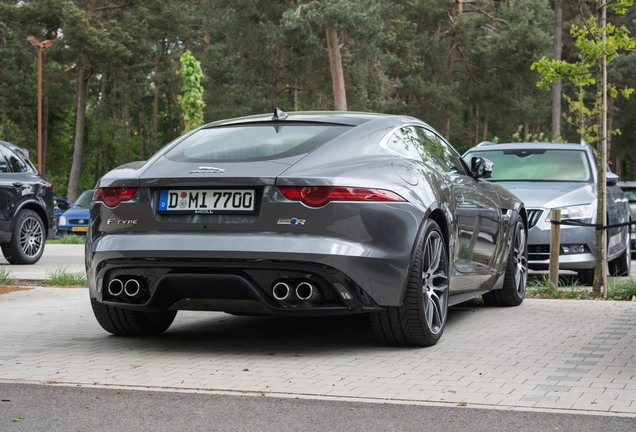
pixel 487 145
pixel 19 150
pixel 335 117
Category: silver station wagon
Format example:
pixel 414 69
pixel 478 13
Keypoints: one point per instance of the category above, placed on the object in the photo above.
pixel 548 176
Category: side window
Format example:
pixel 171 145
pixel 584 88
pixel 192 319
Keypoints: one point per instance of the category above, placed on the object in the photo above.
pixel 404 142
pixel 440 152
pixel 15 162
pixel 3 162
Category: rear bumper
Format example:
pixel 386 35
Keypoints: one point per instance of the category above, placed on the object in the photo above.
pixel 236 272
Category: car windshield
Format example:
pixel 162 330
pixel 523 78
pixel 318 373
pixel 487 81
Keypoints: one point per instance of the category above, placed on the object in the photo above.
pixel 630 194
pixel 254 141
pixel 84 200
pixel 537 164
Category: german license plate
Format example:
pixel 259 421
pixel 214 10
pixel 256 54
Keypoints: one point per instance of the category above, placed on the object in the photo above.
pixel 208 201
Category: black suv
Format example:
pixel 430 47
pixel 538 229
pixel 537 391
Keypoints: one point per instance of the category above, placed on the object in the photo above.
pixel 26 207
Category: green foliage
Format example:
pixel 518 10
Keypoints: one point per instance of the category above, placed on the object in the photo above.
pixel 68 239
pixel 62 277
pixel 518 136
pixel 570 288
pixel 256 55
pixel 192 99
pixel 621 289
pixel 5 278
pixel 592 48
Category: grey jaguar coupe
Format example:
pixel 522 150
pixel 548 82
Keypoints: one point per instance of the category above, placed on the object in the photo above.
pixel 305 214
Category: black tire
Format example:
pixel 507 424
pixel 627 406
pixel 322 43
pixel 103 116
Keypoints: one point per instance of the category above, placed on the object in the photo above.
pixel 516 275
pixel 586 277
pixel 421 318
pixel 125 322
pixel 28 237
pixel 622 265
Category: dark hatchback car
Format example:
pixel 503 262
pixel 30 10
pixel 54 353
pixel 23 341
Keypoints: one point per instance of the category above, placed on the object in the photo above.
pixel 27 217
pixel 305 214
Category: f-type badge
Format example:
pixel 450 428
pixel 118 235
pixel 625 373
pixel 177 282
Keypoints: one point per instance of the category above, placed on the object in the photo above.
pixel 207 170
pixel 292 221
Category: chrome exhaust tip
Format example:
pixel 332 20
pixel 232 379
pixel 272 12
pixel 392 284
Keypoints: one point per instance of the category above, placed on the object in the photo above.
pixel 281 291
pixel 132 288
pixel 304 291
pixel 115 287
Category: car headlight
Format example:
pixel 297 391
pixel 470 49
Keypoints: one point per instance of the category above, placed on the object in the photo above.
pixel 62 220
pixel 577 212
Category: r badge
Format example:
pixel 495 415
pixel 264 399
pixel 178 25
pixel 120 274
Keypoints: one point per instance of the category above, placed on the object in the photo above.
pixel 292 221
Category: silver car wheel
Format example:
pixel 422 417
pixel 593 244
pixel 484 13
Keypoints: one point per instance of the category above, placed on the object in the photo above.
pixel 516 275
pixel 435 283
pixel 520 257
pixel 27 239
pixel 31 237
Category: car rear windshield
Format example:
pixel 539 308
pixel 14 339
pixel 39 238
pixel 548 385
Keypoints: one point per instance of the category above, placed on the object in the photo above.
pixel 254 141
pixel 537 165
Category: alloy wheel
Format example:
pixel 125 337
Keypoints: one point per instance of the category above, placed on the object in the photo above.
pixel 520 257
pixel 31 237
pixel 435 282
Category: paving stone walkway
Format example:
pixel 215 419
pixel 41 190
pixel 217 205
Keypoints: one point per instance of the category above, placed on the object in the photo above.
pixel 575 355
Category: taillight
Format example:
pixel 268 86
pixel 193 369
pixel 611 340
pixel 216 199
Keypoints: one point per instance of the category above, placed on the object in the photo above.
pixel 112 196
pixel 318 196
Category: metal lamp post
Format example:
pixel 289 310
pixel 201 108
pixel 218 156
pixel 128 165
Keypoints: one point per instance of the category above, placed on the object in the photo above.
pixel 44 44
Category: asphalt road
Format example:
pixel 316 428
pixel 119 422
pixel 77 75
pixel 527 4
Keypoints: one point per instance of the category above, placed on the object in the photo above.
pixel 31 408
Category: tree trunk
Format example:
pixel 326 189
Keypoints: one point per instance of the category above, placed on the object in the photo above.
pixel 100 154
pixel 170 94
pixel 142 128
pixel 155 112
pixel 45 121
pixel 556 88
pixel 476 124
pixel 337 74
pixel 484 137
pixel 3 103
pixel 80 118
pixel 5 123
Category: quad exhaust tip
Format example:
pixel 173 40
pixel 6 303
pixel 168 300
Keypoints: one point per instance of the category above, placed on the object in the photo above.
pixel 284 291
pixel 131 288
pixel 304 291
pixel 281 291
pixel 115 287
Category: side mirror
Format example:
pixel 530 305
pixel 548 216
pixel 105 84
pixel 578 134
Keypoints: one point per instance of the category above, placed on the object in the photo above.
pixel 611 179
pixel 481 167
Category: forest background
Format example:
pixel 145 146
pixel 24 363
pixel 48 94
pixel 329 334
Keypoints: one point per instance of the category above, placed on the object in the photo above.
pixel 111 86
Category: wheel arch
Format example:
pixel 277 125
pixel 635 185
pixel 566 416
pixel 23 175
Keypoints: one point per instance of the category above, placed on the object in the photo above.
pixel 39 210
pixel 437 215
